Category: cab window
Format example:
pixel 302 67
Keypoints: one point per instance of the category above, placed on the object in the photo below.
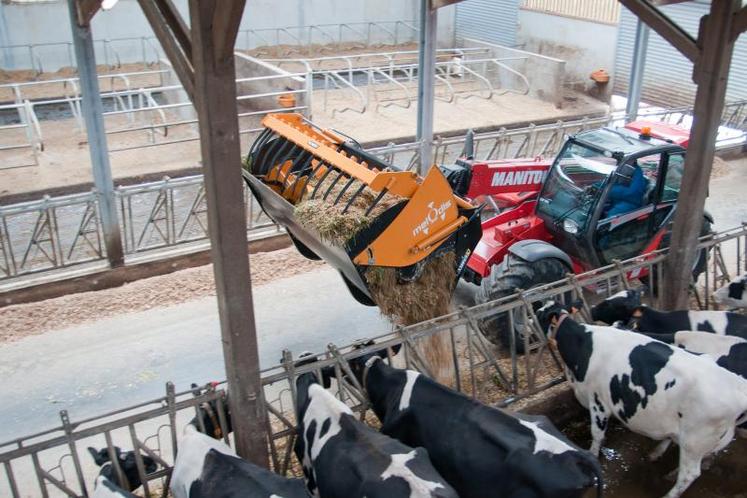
pixel 675 170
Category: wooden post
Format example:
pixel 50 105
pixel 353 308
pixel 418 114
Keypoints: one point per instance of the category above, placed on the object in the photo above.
pixel 711 74
pixel 213 32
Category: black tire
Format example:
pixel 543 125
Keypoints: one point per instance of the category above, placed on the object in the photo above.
pixel 511 274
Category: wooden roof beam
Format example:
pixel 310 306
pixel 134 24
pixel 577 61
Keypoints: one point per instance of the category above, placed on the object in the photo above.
pixel 665 27
pixel 739 25
pixel 166 34
pixel 226 21
pixel 175 21
pixel 86 9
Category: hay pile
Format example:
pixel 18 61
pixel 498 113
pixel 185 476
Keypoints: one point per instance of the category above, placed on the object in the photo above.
pixel 405 303
pixel 425 298
pixel 327 218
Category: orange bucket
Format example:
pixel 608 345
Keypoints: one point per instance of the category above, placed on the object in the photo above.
pixel 287 101
pixel 600 76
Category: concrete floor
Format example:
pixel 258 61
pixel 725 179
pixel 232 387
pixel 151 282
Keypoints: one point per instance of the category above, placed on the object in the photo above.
pixel 726 196
pixel 389 123
pixel 95 368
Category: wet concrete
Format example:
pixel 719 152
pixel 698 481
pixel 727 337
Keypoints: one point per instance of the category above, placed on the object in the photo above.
pixel 629 474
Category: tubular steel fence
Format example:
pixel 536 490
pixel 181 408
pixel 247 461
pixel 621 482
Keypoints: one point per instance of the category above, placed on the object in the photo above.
pixel 546 140
pixel 66 231
pixel 21 137
pixel 62 232
pixel 114 52
pixel 53 463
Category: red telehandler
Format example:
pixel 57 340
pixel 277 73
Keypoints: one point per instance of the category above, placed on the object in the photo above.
pixel 555 217
pixel 610 194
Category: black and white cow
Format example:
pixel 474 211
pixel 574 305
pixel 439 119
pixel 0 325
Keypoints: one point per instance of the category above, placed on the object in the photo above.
pixel 727 351
pixel 104 488
pixel 208 468
pixel 344 458
pixel 482 451
pixel 208 413
pixel 126 461
pixel 626 306
pixel 653 388
pixel 732 294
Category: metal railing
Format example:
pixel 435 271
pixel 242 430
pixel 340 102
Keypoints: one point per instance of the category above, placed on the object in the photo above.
pixel 114 52
pixel 20 141
pixel 396 84
pixel 365 33
pixel 69 88
pixel 604 11
pixel 54 462
pixel 137 110
pixel 494 375
pixel 63 232
pixel 546 140
pixel 58 233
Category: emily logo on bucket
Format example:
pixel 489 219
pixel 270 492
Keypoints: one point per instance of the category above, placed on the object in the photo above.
pixel 434 213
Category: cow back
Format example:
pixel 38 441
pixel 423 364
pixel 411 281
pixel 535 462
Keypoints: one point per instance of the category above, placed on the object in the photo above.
pixel 226 476
pixel 480 450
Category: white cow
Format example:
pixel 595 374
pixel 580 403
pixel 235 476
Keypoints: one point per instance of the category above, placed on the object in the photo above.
pixel 208 468
pixel 732 294
pixel 653 388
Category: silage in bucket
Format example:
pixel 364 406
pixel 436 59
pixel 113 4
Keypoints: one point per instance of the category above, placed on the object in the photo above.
pixel 405 303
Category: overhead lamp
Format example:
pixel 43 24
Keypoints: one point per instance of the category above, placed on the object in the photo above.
pixel 108 4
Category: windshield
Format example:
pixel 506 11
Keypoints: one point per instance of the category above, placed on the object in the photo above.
pixel 569 188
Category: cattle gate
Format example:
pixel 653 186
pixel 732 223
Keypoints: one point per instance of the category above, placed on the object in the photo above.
pixel 59 234
pixel 54 462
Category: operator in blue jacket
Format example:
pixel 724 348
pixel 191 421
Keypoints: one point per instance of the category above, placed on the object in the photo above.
pixel 627 193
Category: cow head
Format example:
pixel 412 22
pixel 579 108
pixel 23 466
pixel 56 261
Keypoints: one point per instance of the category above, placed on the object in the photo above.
pixel 126 462
pixel 549 314
pixel 208 412
pixel 358 365
pixel 619 307
pixel 732 294
pixel 736 290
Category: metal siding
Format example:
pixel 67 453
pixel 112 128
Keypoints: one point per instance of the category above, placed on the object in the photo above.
pixel 493 21
pixel 667 79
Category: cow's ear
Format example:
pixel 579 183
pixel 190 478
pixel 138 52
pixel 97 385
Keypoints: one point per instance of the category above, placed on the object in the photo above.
pixel 395 349
pixel 736 290
pixel 575 306
pixel 328 373
pixel 100 457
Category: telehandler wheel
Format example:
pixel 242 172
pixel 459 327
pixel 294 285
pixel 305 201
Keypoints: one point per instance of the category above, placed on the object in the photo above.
pixel 701 262
pixel 511 274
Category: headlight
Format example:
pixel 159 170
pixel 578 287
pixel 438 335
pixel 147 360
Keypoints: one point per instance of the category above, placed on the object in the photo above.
pixel 570 226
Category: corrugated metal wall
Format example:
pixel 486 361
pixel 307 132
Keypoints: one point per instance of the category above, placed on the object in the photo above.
pixel 667 79
pixel 493 21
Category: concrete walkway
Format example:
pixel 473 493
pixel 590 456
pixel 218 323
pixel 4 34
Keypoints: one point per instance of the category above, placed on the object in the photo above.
pixel 121 361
